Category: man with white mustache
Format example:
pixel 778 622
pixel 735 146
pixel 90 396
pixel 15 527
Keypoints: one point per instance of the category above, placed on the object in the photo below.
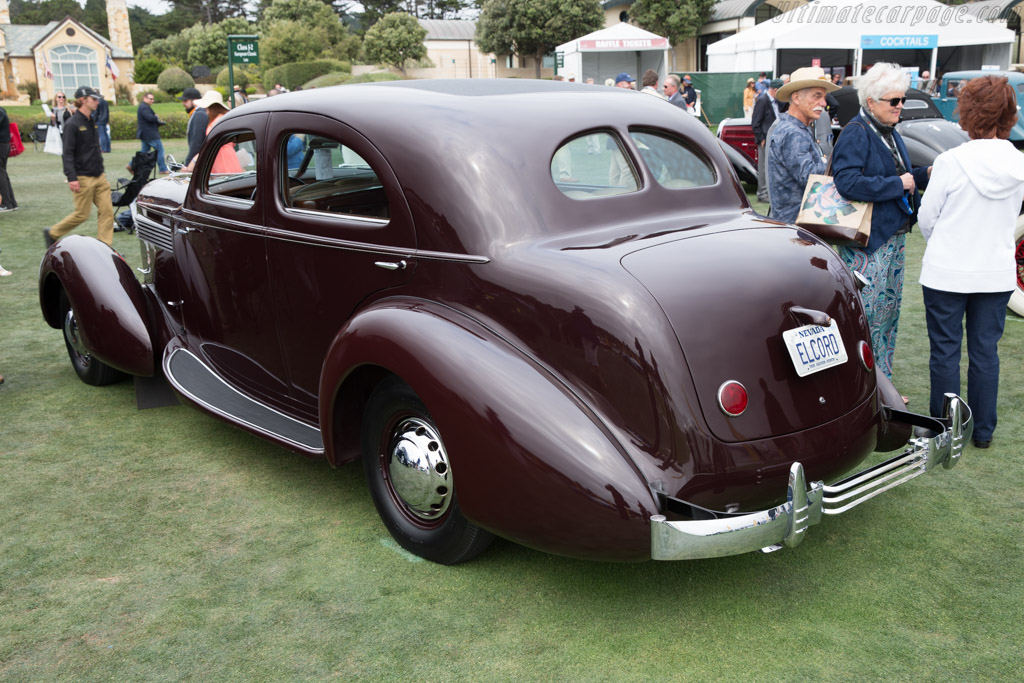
pixel 793 152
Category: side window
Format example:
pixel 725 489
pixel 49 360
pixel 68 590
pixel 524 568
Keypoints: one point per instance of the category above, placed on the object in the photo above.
pixel 593 165
pixel 952 88
pixel 233 173
pixel 325 176
pixel 673 164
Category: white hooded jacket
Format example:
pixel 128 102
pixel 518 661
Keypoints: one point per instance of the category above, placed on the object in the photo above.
pixel 968 215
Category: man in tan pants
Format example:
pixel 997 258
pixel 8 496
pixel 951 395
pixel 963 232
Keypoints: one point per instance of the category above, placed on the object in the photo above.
pixel 83 167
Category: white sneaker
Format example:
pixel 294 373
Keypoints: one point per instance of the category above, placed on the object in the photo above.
pixel 5 273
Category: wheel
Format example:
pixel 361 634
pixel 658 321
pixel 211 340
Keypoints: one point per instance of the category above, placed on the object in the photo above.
pixel 411 480
pixel 89 369
pixel 1017 298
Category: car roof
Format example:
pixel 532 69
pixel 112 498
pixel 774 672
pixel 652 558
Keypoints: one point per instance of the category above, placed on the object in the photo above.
pixel 849 105
pixel 1012 76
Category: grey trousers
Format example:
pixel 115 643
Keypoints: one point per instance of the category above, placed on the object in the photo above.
pixel 762 186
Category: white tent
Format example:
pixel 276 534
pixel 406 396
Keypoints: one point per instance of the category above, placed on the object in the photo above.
pixel 842 24
pixel 610 51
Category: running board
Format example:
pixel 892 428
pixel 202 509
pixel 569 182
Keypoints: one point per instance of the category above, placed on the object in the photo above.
pixel 193 378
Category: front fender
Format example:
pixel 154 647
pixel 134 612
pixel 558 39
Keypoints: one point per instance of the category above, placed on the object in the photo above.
pixel 530 461
pixel 106 297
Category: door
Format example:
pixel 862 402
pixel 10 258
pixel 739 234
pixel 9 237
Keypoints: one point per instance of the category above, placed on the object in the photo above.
pixel 220 251
pixel 338 232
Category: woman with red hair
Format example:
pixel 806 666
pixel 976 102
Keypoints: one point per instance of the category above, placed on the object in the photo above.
pixel 968 217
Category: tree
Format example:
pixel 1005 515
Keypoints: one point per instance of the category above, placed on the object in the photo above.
pixel 173 80
pixel 46 11
pixel 95 16
pixel 534 27
pixel 287 41
pixel 209 43
pixel 211 11
pixel 677 20
pixel 394 40
pixel 310 14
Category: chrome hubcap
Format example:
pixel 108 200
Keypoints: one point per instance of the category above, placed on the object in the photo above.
pixel 418 468
pixel 71 334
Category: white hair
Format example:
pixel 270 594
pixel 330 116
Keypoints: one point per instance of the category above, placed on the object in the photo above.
pixel 883 77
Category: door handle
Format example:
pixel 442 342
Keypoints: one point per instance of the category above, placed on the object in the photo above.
pixel 391 265
pixel 185 230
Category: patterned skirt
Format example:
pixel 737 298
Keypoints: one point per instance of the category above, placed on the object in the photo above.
pixel 882 298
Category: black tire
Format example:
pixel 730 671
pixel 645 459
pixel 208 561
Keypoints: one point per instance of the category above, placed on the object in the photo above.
pixel 90 370
pixel 419 508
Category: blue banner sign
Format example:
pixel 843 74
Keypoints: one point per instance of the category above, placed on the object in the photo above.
pixel 908 42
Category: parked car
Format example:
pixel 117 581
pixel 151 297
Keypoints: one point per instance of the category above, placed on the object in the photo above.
pixel 947 97
pixel 530 310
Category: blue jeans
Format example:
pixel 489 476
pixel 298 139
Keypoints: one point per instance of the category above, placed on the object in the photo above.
pixel 986 317
pixel 104 137
pixel 158 145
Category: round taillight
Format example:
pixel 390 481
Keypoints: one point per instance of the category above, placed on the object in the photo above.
pixel 867 359
pixel 732 398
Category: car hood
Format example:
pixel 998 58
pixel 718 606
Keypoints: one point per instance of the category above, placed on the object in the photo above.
pixel 936 134
pixel 729 296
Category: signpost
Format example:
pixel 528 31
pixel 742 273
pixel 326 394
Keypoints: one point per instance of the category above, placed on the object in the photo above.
pixel 913 41
pixel 242 49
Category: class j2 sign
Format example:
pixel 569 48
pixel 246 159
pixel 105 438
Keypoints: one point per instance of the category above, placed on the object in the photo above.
pixel 898 42
pixel 244 51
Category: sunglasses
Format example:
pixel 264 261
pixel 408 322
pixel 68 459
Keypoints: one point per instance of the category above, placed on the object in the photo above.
pixel 894 101
pixel 61 97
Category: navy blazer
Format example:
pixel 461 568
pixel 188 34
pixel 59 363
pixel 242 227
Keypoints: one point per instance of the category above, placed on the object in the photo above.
pixel 864 171
pixel 148 127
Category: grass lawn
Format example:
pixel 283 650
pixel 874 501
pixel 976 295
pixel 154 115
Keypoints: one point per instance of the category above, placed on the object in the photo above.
pixel 165 545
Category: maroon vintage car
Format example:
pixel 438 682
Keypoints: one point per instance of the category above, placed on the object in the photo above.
pixel 541 311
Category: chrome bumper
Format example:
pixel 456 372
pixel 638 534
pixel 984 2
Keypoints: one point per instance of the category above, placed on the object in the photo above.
pixel 941 443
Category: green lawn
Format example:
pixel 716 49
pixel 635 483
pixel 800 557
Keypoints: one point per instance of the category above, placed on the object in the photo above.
pixel 165 545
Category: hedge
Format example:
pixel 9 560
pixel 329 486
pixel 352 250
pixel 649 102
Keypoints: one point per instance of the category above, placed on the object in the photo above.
pixel 297 73
pixel 122 124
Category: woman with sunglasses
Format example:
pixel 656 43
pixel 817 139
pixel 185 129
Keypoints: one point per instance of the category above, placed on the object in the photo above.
pixel 62 111
pixel 870 163
pixel 969 268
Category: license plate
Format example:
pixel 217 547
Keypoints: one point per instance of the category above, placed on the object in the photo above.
pixel 814 348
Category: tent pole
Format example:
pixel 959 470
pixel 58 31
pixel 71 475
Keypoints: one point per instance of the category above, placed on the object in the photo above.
pixel 935 58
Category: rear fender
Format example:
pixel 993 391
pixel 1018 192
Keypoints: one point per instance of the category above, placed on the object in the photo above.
pixel 530 461
pixel 891 435
pixel 107 299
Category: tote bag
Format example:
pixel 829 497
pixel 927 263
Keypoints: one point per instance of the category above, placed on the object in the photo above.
pixel 824 212
pixel 54 142
pixel 17 146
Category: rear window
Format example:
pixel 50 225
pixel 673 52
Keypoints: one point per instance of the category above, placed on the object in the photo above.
pixel 673 164
pixel 593 165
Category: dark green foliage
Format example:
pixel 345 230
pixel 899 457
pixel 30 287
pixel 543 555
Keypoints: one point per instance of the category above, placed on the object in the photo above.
pixel 534 27
pixel 95 16
pixel 677 20
pixel 395 39
pixel 46 11
pixel 242 77
pixel 159 96
pixel 174 80
pixel 148 70
pixel 292 75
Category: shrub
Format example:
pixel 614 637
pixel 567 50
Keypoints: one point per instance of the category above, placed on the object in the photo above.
pixel 297 73
pixel 174 80
pixel 32 88
pixel 123 93
pixel 148 70
pixel 123 125
pixel 159 96
pixel 241 77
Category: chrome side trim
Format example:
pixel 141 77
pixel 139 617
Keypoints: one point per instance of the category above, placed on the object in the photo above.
pixel 169 374
pixel 786 525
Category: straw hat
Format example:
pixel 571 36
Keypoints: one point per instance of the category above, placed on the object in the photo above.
pixel 211 97
pixel 807 77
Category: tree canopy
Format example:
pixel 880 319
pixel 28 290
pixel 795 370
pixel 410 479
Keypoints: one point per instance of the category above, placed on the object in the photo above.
pixel 395 39
pixel 677 20
pixel 534 27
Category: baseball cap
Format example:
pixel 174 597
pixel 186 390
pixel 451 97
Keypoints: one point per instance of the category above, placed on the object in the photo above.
pixel 686 78
pixel 190 94
pixel 624 78
pixel 86 91
pixel 775 83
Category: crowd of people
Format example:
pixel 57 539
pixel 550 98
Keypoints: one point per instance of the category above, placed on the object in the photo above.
pixel 968 215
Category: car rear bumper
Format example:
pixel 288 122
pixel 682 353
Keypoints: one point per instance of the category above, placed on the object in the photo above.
pixel 940 442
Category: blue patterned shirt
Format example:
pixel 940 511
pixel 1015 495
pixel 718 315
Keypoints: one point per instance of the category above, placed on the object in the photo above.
pixel 793 155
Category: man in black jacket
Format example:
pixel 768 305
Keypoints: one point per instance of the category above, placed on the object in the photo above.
pixel 148 130
pixel 83 167
pixel 102 118
pixel 766 110
pixel 198 119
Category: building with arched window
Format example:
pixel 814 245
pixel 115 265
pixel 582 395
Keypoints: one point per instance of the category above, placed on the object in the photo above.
pixel 63 55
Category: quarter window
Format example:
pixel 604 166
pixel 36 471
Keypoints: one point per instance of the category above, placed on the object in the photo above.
pixel 673 164
pixel 326 176
pixel 593 165
pixel 233 172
